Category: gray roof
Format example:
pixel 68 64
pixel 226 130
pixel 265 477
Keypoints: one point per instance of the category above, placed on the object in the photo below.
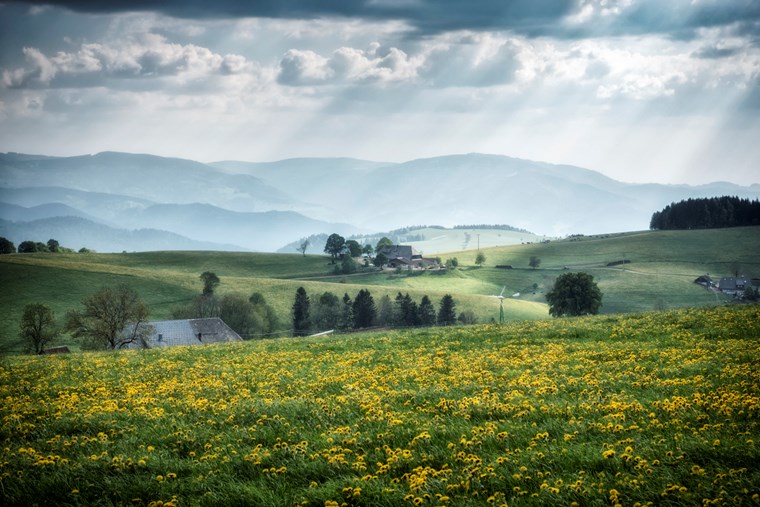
pixel 171 333
pixel 406 252
pixel 732 283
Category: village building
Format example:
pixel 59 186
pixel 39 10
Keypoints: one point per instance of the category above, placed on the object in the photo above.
pixel 733 285
pixel 404 256
pixel 172 333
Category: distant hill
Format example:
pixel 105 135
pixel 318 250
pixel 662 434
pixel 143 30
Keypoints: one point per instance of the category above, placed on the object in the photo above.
pixel 263 206
pixel 160 179
pixel 75 232
pixel 106 207
pixel 15 213
pixel 264 231
pixel 474 188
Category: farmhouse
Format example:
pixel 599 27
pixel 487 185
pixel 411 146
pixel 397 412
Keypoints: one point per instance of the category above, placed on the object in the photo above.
pixel 171 333
pixel 404 256
pixel 733 285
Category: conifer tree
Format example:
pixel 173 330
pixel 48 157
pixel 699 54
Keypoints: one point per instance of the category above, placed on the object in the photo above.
pixel 447 315
pixel 365 312
pixel 301 323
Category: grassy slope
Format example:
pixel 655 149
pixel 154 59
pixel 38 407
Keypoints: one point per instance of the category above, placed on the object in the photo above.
pixel 447 240
pixel 657 408
pixel 664 265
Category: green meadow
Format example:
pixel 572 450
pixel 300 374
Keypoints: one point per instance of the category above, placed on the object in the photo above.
pixel 660 275
pixel 652 408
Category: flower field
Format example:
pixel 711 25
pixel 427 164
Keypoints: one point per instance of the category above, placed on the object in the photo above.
pixel 658 408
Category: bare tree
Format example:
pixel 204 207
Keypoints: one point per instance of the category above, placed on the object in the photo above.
pixel 111 319
pixel 38 327
pixel 303 246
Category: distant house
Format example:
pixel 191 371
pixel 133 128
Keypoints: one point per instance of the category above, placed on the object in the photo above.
pixel 172 333
pixel 733 285
pixel 404 256
pixel 705 280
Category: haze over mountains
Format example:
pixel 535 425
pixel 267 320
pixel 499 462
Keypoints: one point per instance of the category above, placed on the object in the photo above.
pixel 119 201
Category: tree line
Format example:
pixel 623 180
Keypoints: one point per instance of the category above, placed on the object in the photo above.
pixel 707 213
pixel 327 311
pixel 52 246
pixel 112 318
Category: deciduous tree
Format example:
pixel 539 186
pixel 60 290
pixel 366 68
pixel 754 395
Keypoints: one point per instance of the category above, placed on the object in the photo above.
pixel 354 248
pixel 384 241
pixel 380 260
pixel 210 282
pixel 385 311
pixel 6 246
pixel 574 294
pixel 326 312
pixel 335 245
pixel 38 327
pixel 303 247
pixel 480 259
pixel 27 247
pixel 110 319
pixel 534 262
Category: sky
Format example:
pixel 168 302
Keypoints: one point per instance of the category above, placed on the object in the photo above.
pixel 640 90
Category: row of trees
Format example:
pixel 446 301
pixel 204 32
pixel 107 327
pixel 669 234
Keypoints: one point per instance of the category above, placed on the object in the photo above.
pixel 52 246
pixel 112 318
pixel 250 318
pixel 327 311
pixel 100 323
pixel 337 246
pixel 706 213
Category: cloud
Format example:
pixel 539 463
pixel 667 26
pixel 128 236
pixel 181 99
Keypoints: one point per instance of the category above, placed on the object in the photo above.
pixel 560 18
pixel 144 56
pixel 303 67
pixel 347 65
pixel 716 51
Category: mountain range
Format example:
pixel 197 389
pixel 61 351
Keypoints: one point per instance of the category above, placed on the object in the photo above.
pixel 135 202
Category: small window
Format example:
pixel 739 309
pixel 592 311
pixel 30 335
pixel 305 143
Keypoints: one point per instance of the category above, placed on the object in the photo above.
pixel 160 337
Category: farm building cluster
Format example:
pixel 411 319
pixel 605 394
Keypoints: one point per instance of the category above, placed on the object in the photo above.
pixel 730 285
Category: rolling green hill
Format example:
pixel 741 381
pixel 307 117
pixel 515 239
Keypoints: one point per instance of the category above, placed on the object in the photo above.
pixel 651 408
pixel 431 241
pixel 660 274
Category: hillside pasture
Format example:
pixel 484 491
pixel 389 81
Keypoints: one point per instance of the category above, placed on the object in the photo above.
pixel 656 408
pixel 661 273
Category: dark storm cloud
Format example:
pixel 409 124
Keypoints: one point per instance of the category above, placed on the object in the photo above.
pixel 715 52
pixel 530 17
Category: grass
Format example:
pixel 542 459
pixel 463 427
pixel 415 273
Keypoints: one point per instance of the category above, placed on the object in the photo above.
pixel 661 273
pixel 447 240
pixel 656 407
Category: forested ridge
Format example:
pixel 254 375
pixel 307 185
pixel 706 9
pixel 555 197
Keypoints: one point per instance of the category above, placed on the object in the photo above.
pixel 707 213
